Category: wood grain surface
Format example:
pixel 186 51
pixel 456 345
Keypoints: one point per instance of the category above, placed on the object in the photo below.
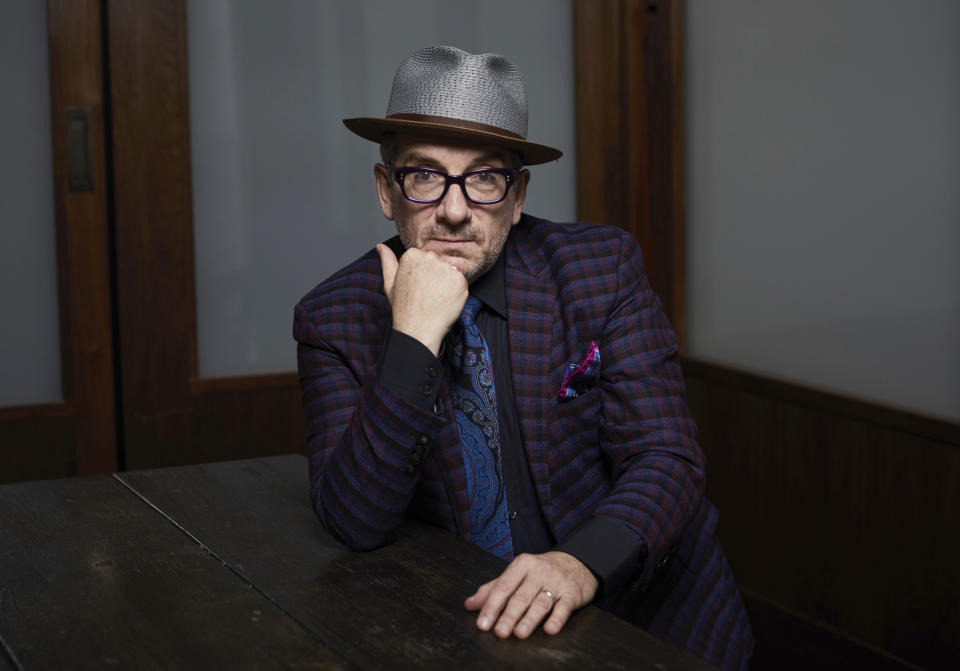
pixel 397 607
pixel 92 577
pixel 225 565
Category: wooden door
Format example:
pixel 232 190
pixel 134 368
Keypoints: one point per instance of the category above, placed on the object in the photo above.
pixel 169 415
pixel 630 132
pixel 77 435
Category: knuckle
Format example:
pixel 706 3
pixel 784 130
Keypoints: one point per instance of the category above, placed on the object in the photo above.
pixel 498 597
pixel 526 561
pixel 525 597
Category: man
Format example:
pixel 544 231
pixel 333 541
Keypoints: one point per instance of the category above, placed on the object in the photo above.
pixel 511 380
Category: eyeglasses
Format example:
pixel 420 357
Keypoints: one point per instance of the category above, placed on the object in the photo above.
pixel 482 187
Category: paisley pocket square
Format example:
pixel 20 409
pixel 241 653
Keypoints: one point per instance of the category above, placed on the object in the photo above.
pixel 580 377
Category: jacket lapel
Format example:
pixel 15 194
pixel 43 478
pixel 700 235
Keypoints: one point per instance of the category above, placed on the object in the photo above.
pixel 532 311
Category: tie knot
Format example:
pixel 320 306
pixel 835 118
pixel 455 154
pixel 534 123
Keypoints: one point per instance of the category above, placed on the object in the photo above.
pixel 470 310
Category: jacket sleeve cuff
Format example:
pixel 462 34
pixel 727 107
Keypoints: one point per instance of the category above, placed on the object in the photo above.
pixel 609 549
pixel 409 369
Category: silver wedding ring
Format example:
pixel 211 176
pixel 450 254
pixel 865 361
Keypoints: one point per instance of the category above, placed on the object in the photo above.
pixel 553 597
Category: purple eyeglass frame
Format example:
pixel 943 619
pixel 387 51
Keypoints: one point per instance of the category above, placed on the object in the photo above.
pixel 400 173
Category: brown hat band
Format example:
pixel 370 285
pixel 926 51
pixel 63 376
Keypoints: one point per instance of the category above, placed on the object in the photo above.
pixel 459 123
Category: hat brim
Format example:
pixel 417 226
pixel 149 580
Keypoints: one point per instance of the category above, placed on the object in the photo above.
pixel 373 129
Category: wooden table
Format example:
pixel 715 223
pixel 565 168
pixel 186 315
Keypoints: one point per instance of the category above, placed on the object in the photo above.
pixel 225 566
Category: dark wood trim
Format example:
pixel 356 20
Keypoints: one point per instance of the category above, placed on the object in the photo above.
pixel 83 237
pixel 790 641
pixel 154 235
pixel 630 129
pixel 601 161
pixel 170 416
pixel 838 405
pixel 836 509
pixel 37 447
pixel 16 413
pixel 243 383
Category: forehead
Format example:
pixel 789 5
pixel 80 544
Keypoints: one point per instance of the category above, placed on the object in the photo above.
pixel 446 150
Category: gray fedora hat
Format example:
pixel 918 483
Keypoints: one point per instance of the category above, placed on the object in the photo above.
pixel 444 91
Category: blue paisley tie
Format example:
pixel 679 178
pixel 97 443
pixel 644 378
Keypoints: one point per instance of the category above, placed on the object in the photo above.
pixel 475 410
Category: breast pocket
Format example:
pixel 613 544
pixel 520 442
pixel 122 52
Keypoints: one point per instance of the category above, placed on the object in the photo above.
pixel 577 419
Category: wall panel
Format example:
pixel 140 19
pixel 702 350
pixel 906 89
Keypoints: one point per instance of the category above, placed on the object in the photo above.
pixel 844 512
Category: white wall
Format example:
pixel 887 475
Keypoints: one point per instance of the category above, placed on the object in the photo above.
pixel 824 194
pixel 29 320
pixel 283 192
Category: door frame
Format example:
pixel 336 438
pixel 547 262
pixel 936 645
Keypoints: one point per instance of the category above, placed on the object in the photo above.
pixel 76 436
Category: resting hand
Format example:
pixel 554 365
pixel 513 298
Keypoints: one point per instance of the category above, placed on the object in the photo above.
pixel 426 295
pixel 517 601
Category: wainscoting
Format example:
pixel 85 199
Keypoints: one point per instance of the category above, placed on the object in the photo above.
pixel 835 512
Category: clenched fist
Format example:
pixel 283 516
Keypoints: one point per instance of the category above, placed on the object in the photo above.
pixel 425 294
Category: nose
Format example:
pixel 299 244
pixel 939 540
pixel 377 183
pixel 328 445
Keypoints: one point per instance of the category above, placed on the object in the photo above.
pixel 454 209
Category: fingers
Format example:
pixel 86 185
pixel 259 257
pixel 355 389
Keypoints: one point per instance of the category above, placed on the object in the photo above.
pixel 562 610
pixel 516 611
pixel 389 263
pixel 516 603
pixel 495 596
pixel 426 294
pixel 541 605
pixel 521 601
pixel 476 600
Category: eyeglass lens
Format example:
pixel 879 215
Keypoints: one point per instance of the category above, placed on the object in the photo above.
pixel 480 186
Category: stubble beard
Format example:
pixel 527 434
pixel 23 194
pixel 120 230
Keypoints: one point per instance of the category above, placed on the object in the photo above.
pixel 487 259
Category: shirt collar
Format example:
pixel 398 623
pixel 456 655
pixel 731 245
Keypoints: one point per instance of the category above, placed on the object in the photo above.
pixel 491 287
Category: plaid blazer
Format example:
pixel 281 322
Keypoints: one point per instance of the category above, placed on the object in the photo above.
pixel 625 449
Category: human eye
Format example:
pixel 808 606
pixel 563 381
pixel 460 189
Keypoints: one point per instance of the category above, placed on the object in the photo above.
pixel 486 180
pixel 428 176
pixel 484 177
pixel 423 184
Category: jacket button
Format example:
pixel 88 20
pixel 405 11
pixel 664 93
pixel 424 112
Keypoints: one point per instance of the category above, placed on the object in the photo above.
pixel 423 440
pixel 432 371
pixel 514 514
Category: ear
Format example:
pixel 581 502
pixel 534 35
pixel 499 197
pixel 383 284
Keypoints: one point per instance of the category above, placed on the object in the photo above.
pixel 520 194
pixel 384 189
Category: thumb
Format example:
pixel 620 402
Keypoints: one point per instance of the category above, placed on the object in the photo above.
pixel 389 263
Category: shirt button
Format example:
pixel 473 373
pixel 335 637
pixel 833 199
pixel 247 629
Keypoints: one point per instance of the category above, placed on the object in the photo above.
pixel 514 514
pixel 423 440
